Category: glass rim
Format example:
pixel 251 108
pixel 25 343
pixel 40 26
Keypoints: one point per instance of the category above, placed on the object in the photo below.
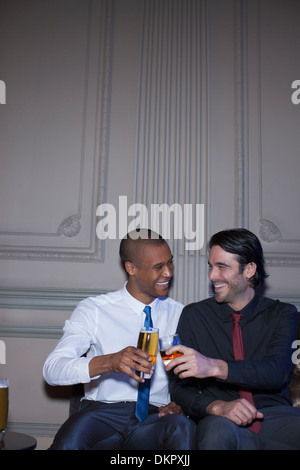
pixel 4 383
pixel 149 329
pixel 172 335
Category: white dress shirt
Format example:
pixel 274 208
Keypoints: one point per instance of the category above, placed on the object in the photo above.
pixel 106 324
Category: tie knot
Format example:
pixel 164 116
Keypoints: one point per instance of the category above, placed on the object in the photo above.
pixel 148 319
pixel 236 317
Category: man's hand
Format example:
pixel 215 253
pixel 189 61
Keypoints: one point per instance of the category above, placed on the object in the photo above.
pixel 170 409
pixel 240 411
pixel 128 360
pixel 194 364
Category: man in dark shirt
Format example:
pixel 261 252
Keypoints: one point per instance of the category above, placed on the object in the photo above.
pixel 206 380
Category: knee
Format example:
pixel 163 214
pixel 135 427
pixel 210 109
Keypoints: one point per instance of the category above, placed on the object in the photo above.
pixel 66 441
pixel 216 433
pixel 181 431
pixel 70 435
pixel 179 422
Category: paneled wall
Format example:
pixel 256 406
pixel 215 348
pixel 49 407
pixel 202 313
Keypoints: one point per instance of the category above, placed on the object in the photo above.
pixel 186 103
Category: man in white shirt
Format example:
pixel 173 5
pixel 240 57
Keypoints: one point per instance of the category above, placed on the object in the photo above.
pixel 98 348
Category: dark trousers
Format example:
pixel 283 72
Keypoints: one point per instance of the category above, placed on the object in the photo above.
pixel 280 431
pixel 109 426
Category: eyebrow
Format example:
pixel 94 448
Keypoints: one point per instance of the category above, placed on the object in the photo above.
pixel 162 263
pixel 220 264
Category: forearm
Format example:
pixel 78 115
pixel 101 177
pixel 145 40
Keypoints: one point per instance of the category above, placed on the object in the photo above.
pixel 67 364
pixel 100 364
pixel 218 369
pixel 268 374
pixel 66 370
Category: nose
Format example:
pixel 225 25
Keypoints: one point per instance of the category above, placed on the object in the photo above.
pixel 168 271
pixel 212 273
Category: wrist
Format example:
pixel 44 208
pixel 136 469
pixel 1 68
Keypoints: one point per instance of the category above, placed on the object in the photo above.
pixel 213 408
pixel 100 364
pixel 220 369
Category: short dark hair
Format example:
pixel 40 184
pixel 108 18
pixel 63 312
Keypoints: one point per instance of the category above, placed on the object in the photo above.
pixel 246 246
pixel 130 245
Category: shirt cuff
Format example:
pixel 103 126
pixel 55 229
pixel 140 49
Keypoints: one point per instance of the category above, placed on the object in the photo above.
pixel 234 372
pixel 83 370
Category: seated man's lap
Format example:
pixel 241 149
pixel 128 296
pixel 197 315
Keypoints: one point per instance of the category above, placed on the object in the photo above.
pixel 111 425
pixel 280 430
pixel 169 432
pixel 92 423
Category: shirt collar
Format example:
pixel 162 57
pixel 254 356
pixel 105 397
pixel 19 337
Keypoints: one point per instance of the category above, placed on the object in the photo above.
pixel 247 311
pixel 135 304
pixel 250 307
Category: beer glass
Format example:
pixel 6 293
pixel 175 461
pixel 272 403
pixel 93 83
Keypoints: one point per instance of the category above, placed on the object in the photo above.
pixel 148 342
pixel 3 407
pixel 165 342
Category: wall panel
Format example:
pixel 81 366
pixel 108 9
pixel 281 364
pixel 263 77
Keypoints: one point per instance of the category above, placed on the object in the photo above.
pixel 273 154
pixel 57 67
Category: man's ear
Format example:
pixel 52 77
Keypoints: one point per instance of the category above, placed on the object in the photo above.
pixel 130 268
pixel 250 270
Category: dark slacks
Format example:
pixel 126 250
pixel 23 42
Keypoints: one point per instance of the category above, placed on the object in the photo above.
pixel 110 426
pixel 280 431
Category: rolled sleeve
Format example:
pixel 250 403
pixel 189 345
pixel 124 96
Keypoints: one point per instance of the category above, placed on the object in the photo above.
pixel 67 365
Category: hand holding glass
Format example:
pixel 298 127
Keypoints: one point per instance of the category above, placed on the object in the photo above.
pixel 165 343
pixel 3 407
pixel 148 342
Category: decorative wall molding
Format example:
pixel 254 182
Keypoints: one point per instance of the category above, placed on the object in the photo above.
pixel 68 242
pixel 34 429
pixel 33 332
pixel 289 299
pixel 44 299
pixel 241 112
pixel 40 299
pixel 57 299
pixel 248 23
pixel 172 135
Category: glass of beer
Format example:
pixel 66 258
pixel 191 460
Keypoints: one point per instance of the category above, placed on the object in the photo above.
pixel 3 407
pixel 165 342
pixel 148 342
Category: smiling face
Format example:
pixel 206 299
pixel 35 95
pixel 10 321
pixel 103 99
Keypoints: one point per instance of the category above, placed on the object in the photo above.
pixel 150 276
pixel 231 286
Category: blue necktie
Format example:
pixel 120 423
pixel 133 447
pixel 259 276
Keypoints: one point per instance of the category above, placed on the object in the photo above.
pixel 142 403
pixel 148 319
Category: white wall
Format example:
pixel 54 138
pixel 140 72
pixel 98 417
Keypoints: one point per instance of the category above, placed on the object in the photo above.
pixel 173 101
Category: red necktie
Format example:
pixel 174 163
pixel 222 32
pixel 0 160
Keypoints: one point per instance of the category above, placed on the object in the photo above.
pixel 238 351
